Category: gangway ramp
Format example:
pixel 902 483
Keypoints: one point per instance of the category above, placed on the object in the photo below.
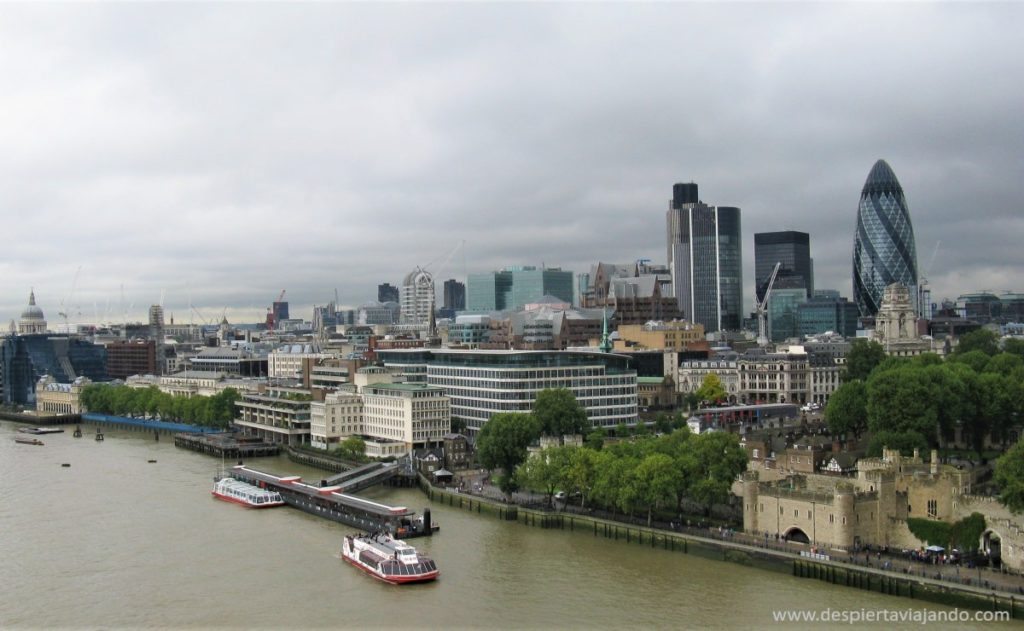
pixel 368 478
pixel 342 477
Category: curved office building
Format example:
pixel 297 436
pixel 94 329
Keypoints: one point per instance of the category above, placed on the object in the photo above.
pixel 883 248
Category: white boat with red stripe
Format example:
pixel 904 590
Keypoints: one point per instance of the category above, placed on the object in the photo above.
pixel 238 492
pixel 388 559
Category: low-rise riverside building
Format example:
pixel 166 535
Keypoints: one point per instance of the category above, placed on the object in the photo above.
pixel 394 417
pixel 60 398
pixel 278 415
pixel 481 383
pixel 195 383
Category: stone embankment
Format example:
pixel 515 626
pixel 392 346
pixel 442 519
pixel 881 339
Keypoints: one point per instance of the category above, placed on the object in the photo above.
pixel 767 555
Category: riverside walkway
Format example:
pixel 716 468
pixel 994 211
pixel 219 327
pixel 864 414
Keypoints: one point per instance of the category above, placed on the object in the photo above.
pixel 882 563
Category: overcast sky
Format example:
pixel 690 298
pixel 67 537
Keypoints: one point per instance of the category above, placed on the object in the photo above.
pixel 220 153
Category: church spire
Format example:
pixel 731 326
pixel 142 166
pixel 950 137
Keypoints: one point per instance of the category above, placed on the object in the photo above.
pixel 606 344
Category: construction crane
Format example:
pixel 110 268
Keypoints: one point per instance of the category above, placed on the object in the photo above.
pixel 762 309
pixel 65 305
pixel 272 311
pixel 923 291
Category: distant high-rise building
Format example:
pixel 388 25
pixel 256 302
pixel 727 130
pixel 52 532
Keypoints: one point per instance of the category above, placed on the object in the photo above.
pixel 454 295
pixel 417 297
pixel 388 293
pixel 783 321
pixel 827 311
pixel 280 311
pixel 156 333
pixel 514 287
pixel 883 247
pixel 790 248
pixel 705 255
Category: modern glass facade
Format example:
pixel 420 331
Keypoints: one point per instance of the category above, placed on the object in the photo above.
pixel 883 247
pixel 26 358
pixel 483 383
pixel 821 314
pixel 705 253
pixel 454 295
pixel 793 250
pixel 512 288
pixel 783 321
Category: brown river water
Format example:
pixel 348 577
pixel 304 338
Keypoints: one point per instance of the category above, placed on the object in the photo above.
pixel 114 541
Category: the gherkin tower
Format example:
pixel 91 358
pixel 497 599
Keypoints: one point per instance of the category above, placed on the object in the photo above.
pixel 883 248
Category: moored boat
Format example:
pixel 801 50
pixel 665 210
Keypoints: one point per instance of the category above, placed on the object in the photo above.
pixel 232 490
pixel 24 440
pixel 388 559
pixel 41 430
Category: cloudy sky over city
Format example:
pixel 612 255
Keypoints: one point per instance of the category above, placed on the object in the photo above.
pixel 219 153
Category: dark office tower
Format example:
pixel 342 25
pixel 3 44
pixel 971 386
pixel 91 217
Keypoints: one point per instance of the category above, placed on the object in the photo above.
pixel 387 293
pixel 883 248
pixel 705 256
pixel 280 311
pixel 793 250
pixel 454 295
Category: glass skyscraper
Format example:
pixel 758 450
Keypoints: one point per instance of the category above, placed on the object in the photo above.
pixel 705 256
pixel 793 250
pixel 883 248
pixel 514 287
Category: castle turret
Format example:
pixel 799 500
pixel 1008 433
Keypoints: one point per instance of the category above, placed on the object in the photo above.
pixel 750 497
pixel 845 517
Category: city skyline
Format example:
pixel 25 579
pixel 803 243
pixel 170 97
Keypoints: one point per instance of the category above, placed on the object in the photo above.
pixel 177 151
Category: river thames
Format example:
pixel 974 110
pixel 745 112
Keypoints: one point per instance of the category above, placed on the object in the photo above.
pixel 114 541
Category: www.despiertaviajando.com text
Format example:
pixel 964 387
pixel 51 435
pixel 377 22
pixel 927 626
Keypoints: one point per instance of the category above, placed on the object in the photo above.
pixel 888 616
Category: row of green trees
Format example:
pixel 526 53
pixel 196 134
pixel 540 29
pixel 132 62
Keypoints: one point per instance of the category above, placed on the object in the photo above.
pixel 647 473
pixel 214 411
pixel 918 402
pixel 640 476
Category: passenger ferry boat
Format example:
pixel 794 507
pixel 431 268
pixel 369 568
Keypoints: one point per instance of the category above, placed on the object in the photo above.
pixel 232 490
pixel 388 559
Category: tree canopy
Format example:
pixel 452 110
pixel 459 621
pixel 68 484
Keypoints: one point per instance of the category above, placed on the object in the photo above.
pixel 846 412
pixel 213 411
pixel 647 475
pixel 982 340
pixel 502 444
pixel 559 413
pixel 1009 478
pixel 711 389
pixel 862 358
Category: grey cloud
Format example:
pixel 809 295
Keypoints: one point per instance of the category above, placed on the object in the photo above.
pixel 223 152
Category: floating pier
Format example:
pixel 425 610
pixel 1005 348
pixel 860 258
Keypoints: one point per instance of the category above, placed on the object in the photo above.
pixel 226 445
pixel 330 503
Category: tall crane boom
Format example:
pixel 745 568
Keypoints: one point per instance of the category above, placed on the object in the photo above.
pixel 762 309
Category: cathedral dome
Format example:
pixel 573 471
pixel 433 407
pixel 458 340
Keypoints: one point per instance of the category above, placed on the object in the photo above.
pixel 32 311
pixel 32 319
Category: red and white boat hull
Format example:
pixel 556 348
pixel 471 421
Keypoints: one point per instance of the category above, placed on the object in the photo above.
pixel 240 502
pixel 388 560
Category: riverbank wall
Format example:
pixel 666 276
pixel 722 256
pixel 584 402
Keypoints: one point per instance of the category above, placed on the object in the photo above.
pixel 45 420
pixel 815 567
pixel 146 425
